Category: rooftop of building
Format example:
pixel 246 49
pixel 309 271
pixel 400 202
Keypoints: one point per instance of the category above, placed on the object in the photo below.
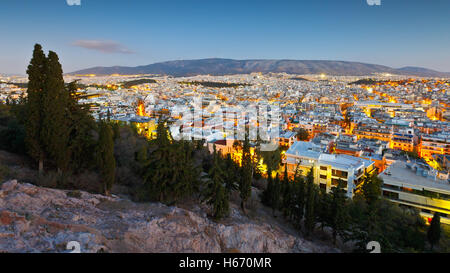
pixel 305 149
pixel 399 174
pixel 344 161
pixel 440 136
pixel 287 134
pixel 312 151
pixel 371 155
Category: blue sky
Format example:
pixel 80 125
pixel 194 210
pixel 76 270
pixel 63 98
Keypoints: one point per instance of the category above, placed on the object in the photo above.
pixel 129 32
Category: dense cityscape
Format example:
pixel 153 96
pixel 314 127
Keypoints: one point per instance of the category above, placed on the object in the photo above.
pixel 395 125
pixel 216 155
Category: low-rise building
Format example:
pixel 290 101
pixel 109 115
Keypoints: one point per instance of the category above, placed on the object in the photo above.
pixel 403 141
pixel 374 131
pixel 417 186
pixel 328 169
pixel 434 144
pixel 287 138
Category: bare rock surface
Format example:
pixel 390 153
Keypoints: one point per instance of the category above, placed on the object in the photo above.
pixel 36 219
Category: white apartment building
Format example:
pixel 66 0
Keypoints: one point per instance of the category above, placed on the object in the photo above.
pixel 417 186
pixel 328 169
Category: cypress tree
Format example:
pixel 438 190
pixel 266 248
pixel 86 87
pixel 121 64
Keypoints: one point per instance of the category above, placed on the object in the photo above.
pixel 162 134
pixel 371 188
pixel 217 195
pixel 105 156
pixel 310 202
pixel 160 172
pixel 55 129
pixel 268 192
pixel 338 217
pixel 141 158
pixel 286 193
pixel 34 122
pixel 185 174
pixel 81 125
pixel 158 175
pixel 434 231
pixel 116 130
pixel 231 176
pixel 247 173
pixel 142 155
pixel 299 199
pixel 170 171
pixel 323 208
pixel 221 202
pixel 276 194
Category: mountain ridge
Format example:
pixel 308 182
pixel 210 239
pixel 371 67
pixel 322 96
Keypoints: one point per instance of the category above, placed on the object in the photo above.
pixel 219 67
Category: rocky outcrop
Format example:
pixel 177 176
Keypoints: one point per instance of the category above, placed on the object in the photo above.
pixel 36 219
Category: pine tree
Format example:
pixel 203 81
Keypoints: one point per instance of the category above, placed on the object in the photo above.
pixel 34 122
pixel 311 196
pixel 105 156
pixel 434 231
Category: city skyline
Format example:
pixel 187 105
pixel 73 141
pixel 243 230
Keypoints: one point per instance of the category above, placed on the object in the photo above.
pixel 100 33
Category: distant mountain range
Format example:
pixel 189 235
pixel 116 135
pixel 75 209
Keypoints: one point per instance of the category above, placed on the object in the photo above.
pixel 218 66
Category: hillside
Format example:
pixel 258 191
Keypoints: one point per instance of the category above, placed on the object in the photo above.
pixel 37 219
pixel 218 66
